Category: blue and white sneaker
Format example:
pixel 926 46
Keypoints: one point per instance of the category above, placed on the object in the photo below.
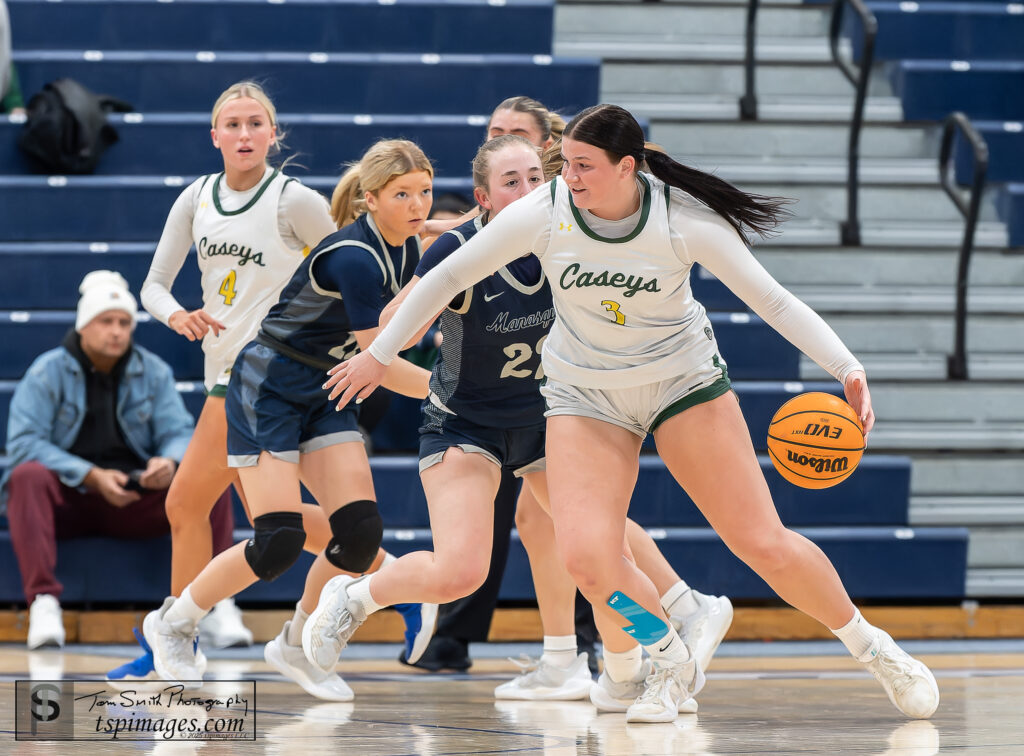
pixel 136 671
pixel 420 623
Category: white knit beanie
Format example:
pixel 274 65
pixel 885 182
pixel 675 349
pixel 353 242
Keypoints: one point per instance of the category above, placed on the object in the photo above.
pixel 103 290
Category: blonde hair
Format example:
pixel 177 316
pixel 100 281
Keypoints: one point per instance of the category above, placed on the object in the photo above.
pixel 384 161
pixel 253 91
pixel 482 161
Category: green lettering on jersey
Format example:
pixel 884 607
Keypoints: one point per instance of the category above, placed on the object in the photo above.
pixel 572 278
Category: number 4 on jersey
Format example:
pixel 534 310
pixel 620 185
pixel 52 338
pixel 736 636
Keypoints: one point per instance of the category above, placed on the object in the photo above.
pixel 227 288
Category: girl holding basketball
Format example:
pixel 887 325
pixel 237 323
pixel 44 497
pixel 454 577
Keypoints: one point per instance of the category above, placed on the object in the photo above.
pixel 377 252
pixel 485 412
pixel 631 352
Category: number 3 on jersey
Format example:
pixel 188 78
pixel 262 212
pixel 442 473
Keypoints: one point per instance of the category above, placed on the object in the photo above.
pixel 613 308
pixel 227 288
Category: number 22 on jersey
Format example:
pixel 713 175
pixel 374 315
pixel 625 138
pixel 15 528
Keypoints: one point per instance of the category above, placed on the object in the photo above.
pixel 227 288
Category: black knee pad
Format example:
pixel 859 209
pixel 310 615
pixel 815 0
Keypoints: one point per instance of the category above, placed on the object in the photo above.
pixel 275 545
pixel 357 531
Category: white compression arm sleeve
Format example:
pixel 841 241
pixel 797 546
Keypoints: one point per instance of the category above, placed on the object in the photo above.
pixel 713 243
pixel 512 233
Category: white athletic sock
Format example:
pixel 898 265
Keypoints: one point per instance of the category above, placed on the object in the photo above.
pixel 669 650
pixel 185 608
pixel 625 665
pixel 295 629
pixel 679 600
pixel 559 650
pixel 359 590
pixel 857 635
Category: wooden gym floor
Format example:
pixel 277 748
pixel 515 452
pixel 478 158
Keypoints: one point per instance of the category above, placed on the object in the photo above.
pixel 779 698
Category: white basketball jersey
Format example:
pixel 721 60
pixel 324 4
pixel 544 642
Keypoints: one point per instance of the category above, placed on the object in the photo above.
pixel 625 312
pixel 244 264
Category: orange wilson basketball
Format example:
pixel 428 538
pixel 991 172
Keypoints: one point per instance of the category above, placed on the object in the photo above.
pixel 815 440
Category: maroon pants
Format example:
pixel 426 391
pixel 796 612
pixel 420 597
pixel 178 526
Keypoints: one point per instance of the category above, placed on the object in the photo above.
pixel 41 511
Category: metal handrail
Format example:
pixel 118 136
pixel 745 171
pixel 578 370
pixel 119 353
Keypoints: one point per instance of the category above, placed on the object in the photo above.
pixel 748 102
pixel 957 362
pixel 850 228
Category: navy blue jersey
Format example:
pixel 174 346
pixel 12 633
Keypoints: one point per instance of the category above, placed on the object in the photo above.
pixel 489 370
pixel 342 286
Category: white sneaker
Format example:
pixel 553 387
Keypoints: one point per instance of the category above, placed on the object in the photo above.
pixel 703 630
pixel 332 623
pixel 540 681
pixel 45 622
pixel 223 627
pixel 174 647
pixel 291 662
pixel 610 696
pixel 909 683
pixel 665 690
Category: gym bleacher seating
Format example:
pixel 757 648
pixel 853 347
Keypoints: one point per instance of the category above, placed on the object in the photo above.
pixel 342 74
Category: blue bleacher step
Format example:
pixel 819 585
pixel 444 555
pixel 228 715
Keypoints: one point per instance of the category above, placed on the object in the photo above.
pixel 1005 141
pixel 300 82
pixel 874 563
pixel 179 143
pixel 1010 203
pixel 876 494
pixel 982 89
pixel 940 30
pixel 66 264
pixel 420 26
pixel 116 208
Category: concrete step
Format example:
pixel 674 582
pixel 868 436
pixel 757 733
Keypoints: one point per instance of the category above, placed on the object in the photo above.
pixel 902 299
pixel 727 48
pixel 660 21
pixel 665 79
pixel 995 475
pixel 918 366
pixel 967 510
pixel 756 139
pixel 968 435
pixel 815 170
pixel 718 107
pixel 996 583
pixel 800 232
pixel 996 547
pixel 927 333
pixel 816 200
pixel 880 266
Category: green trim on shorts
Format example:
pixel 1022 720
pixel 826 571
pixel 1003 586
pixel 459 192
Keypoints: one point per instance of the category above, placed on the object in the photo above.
pixel 722 386
pixel 218 390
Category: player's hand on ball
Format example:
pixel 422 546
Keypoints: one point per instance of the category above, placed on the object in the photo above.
pixel 354 379
pixel 858 397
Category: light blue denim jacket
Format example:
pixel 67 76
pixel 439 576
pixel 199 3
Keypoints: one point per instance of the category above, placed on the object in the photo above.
pixel 48 408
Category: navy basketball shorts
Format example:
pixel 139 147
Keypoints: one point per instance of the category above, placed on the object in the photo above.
pixel 518 449
pixel 277 405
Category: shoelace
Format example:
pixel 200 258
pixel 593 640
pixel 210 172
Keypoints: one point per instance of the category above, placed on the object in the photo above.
pixel 655 683
pixel 900 669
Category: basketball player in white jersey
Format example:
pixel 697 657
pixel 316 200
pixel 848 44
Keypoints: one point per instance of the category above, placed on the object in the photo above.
pixel 251 226
pixel 632 352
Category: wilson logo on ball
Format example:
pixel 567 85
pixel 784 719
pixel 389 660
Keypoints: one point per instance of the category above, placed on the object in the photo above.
pixel 815 440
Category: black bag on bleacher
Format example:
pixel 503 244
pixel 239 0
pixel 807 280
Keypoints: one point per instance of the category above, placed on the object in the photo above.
pixel 67 129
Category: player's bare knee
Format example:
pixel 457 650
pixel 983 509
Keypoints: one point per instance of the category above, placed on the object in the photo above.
pixel 356 534
pixel 276 544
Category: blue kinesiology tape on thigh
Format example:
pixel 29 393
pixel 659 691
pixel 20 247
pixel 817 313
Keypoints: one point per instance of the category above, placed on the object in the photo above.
pixel 645 628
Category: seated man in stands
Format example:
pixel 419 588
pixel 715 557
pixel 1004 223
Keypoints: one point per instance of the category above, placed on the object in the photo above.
pixel 95 433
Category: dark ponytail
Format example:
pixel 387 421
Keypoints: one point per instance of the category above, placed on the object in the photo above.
pixel 615 130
